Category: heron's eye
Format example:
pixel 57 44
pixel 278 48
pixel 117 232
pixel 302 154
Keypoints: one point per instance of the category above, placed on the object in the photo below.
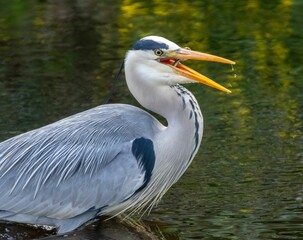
pixel 158 52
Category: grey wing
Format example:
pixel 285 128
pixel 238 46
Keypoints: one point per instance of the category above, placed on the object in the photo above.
pixel 82 162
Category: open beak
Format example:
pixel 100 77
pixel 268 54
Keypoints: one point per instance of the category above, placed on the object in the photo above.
pixel 173 58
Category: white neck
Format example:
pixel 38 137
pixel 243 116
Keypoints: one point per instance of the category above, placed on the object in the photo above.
pixel 177 144
pixel 180 141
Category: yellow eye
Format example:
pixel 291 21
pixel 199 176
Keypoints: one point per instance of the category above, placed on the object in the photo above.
pixel 158 52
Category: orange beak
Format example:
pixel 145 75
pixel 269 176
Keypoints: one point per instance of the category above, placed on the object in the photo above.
pixel 172 57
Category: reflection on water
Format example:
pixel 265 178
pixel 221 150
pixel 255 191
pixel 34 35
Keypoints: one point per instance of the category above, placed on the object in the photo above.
pixel 59 57
pixel 103 229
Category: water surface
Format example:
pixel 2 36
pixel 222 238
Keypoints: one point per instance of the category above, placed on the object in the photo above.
pixel 60 57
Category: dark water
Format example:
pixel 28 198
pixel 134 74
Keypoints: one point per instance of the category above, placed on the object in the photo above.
pixel 60 57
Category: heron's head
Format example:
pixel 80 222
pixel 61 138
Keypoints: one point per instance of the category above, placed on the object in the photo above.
pixel 155 58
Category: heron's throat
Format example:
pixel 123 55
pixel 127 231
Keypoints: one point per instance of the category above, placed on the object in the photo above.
pixel 182 137
pixel 151 88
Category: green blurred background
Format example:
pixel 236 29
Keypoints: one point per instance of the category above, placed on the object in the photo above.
pixel 60 57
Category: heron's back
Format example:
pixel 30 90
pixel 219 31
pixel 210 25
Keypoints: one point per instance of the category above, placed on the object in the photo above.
pixel 79 164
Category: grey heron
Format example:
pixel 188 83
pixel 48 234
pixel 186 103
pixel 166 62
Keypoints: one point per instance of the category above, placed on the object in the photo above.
pixel 113 157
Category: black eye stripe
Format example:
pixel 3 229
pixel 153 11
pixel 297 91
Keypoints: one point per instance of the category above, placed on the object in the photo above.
pixel 147 44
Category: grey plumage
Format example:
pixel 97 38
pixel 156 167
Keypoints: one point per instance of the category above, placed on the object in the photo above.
pixel 49 160
pixel 111 158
